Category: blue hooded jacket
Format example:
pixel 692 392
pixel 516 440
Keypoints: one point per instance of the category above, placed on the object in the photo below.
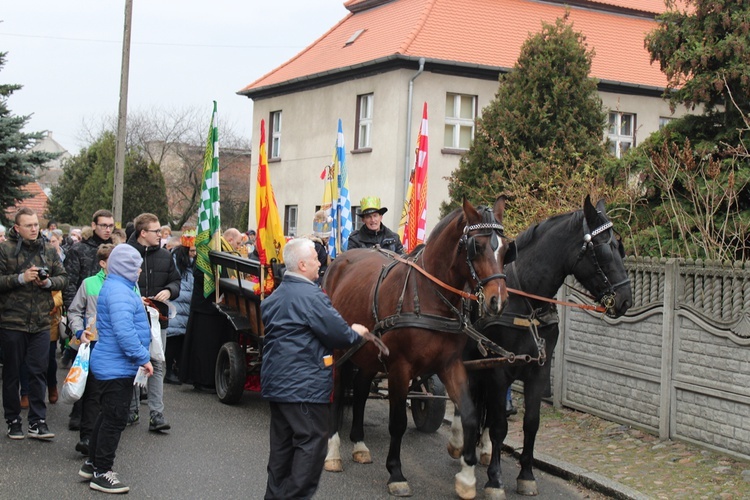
pixel 124 331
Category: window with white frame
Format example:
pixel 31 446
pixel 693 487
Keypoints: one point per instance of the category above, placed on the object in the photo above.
pixel 364 121
pixel 460 115
pixel 664 121
pixel 357 222
pixel 290 220
pixel 621 132
pixel 275 149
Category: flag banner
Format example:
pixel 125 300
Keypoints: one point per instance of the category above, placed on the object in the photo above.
pixel 341 211
pixel 414 215
pixel 209 218
pixel 270 240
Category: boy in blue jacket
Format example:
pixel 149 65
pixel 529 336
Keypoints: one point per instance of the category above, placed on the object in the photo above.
pixel 124 339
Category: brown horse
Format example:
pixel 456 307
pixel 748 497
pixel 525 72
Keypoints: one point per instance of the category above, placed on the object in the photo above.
pixel 420 323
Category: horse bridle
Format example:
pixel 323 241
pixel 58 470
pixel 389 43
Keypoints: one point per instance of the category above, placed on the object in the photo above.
pixel 607 297
pixel 469 242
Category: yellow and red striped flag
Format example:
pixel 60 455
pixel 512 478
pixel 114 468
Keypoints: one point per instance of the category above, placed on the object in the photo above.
pixel 270 239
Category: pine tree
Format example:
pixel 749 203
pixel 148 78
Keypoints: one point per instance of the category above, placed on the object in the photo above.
pixel 540 140
pixel 17 162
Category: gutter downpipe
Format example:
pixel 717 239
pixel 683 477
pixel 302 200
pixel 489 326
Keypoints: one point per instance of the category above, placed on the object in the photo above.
pixel 407 155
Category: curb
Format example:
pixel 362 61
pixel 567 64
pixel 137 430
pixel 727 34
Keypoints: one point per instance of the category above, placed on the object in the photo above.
pixel 571 472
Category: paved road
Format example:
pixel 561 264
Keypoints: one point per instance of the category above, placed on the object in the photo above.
pixel 219 451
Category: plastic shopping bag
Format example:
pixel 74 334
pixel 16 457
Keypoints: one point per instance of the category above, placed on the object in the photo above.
pixel 75 382
pixel 156 350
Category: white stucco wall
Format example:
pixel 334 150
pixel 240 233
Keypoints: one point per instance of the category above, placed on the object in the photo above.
pixel 309 124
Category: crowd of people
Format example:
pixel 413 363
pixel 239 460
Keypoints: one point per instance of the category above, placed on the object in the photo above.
pixel 91 287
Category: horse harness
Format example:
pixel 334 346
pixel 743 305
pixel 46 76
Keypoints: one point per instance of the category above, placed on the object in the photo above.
pixel 417 319
pixel 606 298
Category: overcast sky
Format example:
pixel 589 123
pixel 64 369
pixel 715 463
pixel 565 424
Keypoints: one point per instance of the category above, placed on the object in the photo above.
pixel 184 53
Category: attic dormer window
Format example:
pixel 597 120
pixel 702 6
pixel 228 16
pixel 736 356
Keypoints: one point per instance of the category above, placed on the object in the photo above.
pixel 354 37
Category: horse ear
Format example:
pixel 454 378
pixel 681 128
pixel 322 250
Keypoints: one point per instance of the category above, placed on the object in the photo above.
pixel 471 214
pixel 600 206
pixel 499 207
pixel 588 209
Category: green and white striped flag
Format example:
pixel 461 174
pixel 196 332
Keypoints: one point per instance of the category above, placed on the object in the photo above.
pixel 209 219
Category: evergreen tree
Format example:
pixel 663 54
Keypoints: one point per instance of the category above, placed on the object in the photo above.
pixel 17 162
pixel 540 140
pixel 704 50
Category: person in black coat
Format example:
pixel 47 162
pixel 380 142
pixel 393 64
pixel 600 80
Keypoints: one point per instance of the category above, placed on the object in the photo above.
pixel 374 231
pixel 160 282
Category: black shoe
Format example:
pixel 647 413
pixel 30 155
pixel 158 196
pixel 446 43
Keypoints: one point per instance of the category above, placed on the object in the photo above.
pixel 83 447
pixel 87 470
pixel 171 378
pixel 39 430
pixel 108 483
pixel 15 429
pixel 157 423
pixel 133 418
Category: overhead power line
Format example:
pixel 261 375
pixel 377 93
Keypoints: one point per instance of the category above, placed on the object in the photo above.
pixel 165 44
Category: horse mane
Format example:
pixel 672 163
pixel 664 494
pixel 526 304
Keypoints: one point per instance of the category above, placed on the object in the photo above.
pixel 530 234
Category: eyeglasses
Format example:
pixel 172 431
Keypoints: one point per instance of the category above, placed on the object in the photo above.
pixel 156 231
pixel 106 226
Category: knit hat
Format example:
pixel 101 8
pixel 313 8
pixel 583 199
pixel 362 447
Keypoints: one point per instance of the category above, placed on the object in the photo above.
pixel 125 261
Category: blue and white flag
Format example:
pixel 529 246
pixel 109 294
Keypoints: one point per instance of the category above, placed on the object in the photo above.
pixel 341 211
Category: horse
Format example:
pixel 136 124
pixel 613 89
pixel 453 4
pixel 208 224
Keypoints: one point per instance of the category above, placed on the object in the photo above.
pixel 416 303
pixel 582 243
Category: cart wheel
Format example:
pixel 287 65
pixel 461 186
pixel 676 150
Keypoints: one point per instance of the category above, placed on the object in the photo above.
pixel 428 413
pixel 230 373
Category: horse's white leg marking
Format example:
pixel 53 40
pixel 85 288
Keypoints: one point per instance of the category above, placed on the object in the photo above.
pixel 333 461
pixel 466 482
pixel 484 449
pixel 456 440
pixel 361 454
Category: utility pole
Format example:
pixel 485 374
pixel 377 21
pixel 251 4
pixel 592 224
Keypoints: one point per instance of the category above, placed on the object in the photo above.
pixel 122 117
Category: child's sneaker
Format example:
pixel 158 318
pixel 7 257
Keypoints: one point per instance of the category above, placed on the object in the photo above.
pixel 108 483
pixel 87 470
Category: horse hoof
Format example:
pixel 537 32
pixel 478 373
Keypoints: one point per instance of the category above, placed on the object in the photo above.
pixel 399 489
pixel 334 465
pixel 485 458
pixel 454 452
pixel 362 457
pixel 465 491
pixel 526 487
pixel 494 493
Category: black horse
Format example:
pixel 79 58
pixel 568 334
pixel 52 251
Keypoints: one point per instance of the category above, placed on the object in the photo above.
pixel 582 243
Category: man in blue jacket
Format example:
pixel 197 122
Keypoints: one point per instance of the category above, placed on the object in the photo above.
pixel 301 330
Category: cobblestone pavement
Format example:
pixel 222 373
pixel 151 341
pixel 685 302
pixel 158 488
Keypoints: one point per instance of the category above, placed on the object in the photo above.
pixel 633 458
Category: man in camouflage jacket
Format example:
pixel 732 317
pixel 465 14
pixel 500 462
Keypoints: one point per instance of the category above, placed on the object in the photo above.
pixel 30 270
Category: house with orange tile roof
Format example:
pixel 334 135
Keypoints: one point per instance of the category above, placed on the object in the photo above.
pixel 376 67
pixel 37 201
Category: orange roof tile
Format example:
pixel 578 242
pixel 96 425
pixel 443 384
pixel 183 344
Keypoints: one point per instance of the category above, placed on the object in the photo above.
pixel 37 201
pixel 458 31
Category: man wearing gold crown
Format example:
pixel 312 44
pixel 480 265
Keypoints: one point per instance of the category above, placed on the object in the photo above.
pixel 374 232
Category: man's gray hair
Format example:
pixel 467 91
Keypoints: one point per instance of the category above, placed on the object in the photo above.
pixel 296 250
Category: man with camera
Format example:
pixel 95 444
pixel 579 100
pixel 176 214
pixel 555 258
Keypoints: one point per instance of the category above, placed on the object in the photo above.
pixel 30 270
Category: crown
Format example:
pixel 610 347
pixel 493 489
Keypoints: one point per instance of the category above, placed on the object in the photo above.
pixel 188 238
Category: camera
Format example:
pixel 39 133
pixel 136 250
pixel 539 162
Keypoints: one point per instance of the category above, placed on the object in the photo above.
pixel 42 273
